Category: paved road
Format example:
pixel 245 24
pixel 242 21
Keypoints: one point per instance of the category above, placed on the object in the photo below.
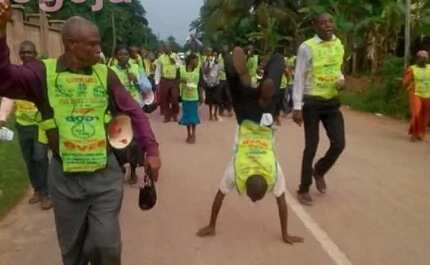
pixel 377 210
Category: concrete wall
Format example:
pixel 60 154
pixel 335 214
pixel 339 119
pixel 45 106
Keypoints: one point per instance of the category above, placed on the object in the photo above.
pixel 36 28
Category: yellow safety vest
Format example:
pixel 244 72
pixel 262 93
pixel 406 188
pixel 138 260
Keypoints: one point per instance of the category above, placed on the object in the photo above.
pixel 327 60
pixel 168 68
pixel 80 104
pixel 255 155
pixel 132 88
pixel 139 63
pixel 189 89
pixel 27 114
pixel 422 81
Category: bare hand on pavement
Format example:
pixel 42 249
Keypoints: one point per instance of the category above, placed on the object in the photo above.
pixel 206 231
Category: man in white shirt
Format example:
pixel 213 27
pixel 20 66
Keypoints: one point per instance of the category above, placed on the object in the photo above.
pixel 318 77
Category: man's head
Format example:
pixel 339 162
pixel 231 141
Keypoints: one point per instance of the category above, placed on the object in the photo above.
pixel 256 187
pixel 134 51
pixel 422 58
pixel 249 50
pixel 207 51
pixel 81 40
pixel 122 55
pixel 324 26
pixel 27 51
pixel 192 61
pixel 225 49
pixel 168 49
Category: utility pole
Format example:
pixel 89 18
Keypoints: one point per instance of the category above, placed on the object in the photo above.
pixel 407 32
pixel 113 34
pixel 44 33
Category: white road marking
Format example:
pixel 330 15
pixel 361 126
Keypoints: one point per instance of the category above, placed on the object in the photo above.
pixel 320 235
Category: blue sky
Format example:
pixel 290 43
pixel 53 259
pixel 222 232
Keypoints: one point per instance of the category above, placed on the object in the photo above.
pixel 171 17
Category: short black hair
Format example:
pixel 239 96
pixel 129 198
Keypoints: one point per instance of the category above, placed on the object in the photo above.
pixel 121 47
pixel 29 44
pixel 189 58
pixel 318 15
pixel 256 186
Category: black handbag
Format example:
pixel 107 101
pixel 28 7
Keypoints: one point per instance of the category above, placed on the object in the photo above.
pixel 148 195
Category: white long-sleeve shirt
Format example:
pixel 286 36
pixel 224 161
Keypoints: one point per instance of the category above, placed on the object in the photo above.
pixel 303 74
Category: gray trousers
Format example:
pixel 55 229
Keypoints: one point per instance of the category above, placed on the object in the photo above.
pixel 86 209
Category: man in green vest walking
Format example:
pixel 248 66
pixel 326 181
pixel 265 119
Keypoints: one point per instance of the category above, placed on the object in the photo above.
pixel 318 77
pixel 32 140
pixel 75 96
pixel 169 85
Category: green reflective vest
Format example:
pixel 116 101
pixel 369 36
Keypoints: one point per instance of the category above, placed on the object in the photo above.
pixel 189 84
pixel 132 88
pixel 26 113
pixel 422 81
pixel 327 60
pixel 168 67
pixel 252 66
pixel 80 106
pixel 139 63
pixel 284 82
pixel 254 155
pixel 222 74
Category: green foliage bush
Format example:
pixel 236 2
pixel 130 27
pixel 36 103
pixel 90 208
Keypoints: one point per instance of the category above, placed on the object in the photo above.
pixel 386 95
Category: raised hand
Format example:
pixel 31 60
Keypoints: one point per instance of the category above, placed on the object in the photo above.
pixel 5 14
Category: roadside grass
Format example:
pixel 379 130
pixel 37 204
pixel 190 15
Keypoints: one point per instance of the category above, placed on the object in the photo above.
pixel 13 175
pixel 383 93
pixel 375 101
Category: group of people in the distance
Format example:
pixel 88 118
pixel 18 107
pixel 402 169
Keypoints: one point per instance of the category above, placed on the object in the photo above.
pixel 195 78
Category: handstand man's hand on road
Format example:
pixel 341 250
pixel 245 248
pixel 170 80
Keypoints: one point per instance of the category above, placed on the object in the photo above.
pixel 206 231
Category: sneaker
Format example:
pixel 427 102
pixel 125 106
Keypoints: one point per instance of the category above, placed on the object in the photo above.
pixel 35 198
pixel 46 203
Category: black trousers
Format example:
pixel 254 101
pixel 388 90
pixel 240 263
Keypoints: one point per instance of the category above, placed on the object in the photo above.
pixel 327 112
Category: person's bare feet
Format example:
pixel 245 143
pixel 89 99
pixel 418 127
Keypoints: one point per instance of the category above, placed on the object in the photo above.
pixel 37 197
pixel 46 203
pixel 278 121
pixel 239 63
pixel 292 239
pixel 206 231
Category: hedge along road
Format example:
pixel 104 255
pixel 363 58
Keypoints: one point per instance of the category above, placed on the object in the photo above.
pixel 376 210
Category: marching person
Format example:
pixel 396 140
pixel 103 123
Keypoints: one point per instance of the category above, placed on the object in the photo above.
pixel 417 82
pixel 168 84
pixel 191 96
pixel 32 140
pixel 318 77
pixel 75 96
